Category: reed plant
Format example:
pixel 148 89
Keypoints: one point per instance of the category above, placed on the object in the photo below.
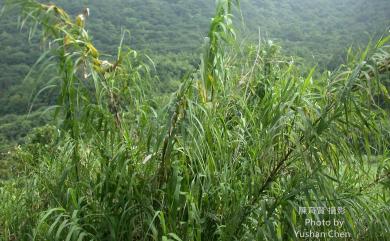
pixel 245 143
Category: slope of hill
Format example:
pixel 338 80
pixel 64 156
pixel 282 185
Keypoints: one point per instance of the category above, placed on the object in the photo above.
pixel 319 30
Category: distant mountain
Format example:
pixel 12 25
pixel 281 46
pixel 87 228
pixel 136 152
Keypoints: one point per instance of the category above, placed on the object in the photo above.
pixel 318 30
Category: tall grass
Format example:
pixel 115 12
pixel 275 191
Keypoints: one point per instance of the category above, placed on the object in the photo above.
pixel 244 143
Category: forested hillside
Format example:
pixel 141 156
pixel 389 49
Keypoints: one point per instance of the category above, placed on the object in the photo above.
pixel 319 30
pixel 193 129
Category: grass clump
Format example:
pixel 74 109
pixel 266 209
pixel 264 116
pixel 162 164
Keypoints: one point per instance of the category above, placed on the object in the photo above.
pixel 245 143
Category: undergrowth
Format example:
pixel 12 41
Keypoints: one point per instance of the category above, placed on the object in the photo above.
pixel 243 145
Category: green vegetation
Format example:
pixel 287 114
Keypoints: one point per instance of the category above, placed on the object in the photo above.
pixel 319 30
pixel 241 146
pixel 171 33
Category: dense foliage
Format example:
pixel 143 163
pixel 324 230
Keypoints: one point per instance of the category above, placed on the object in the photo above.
pixel 319 30
pixel 171 33
pixel 242 145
